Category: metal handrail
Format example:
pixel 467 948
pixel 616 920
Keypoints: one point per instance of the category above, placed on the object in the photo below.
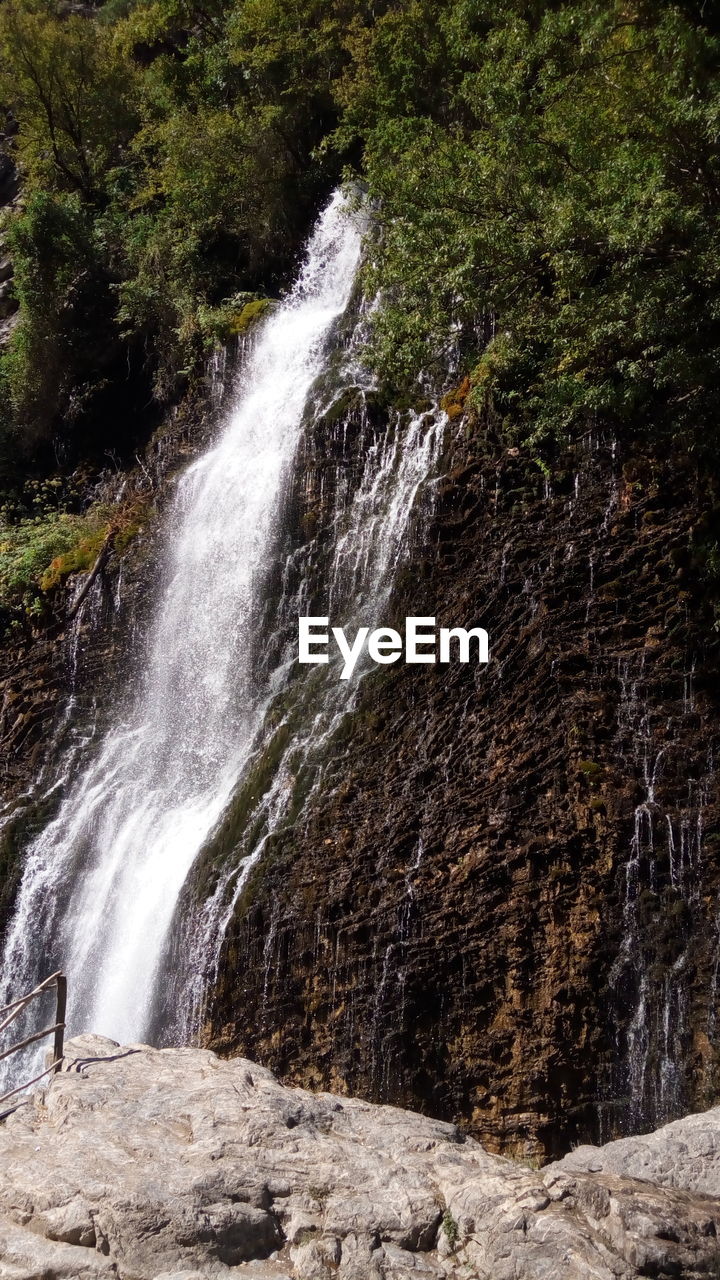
pixel 59 981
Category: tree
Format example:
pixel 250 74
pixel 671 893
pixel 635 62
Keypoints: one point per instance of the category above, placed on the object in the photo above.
pixel 72 93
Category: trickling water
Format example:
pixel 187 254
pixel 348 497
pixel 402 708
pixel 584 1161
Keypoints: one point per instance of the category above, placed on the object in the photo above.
pixel 369 543
pixel 660 880
pixel 102 882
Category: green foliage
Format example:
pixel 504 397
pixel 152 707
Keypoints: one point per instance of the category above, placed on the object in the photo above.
pixel 544 184
pixel 57 264
pixel 547 179
pixel 232 319
pixel 591 770
pixel 200 224
pixel 228 165
pixel 78 557
pixel 189 137
pixel 72 93
pixel 28 552
pixel 450 1230
pixel 38 552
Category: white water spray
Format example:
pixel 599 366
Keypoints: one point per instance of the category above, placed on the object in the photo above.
pixel 102 881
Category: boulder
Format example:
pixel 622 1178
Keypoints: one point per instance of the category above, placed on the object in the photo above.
pixel 175 1164
pixel 684 1153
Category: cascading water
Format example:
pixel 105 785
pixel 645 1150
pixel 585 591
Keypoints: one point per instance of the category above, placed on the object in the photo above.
pixel 117 888
pixel 101 883
pixel 370 538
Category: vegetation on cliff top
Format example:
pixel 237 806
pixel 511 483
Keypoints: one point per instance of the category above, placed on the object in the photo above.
pixel 545 186
pixel 549 181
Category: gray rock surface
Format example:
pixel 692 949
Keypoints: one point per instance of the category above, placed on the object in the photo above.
pixel 684 1153
pixel 145 1164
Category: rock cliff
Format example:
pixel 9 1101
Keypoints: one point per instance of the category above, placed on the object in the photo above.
pixel 492 895
pixel 502 905
pixel 141 1164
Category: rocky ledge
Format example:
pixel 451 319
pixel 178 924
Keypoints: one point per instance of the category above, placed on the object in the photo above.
pixel 141 1163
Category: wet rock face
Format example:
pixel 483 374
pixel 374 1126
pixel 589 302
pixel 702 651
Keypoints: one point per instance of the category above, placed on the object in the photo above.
pixel 502 908
pixel 33 677
pixel 144 1165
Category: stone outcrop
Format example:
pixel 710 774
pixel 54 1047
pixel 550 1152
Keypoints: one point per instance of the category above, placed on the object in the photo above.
pixel 684 1153
pixel 144 1164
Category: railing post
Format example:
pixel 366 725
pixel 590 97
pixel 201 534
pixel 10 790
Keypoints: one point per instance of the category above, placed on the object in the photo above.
pixel 14 1009
pixel 60 1020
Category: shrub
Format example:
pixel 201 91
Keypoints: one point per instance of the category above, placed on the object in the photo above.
pixel 528 197
pixel 38 553
pixel 72 93
pixel 450 1229
pixel 27 551
pixel 542 180
pixel 57 266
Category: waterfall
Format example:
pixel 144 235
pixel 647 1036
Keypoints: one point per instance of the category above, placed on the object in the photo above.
pixel 370 536
pixel 101 884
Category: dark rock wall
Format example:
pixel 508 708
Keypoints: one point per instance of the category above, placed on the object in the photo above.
pixel 503 907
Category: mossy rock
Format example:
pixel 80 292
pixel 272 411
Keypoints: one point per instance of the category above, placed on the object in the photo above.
pixel 232 318
pixel 79 559
pixel 242 321
pixel 453 402
pixel 591 770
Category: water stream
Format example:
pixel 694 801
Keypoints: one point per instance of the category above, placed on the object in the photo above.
pixel 102 881
pixel 376 518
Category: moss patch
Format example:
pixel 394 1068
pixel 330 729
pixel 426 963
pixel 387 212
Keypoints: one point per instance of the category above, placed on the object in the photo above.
pixel 231 319
pixel 38 554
